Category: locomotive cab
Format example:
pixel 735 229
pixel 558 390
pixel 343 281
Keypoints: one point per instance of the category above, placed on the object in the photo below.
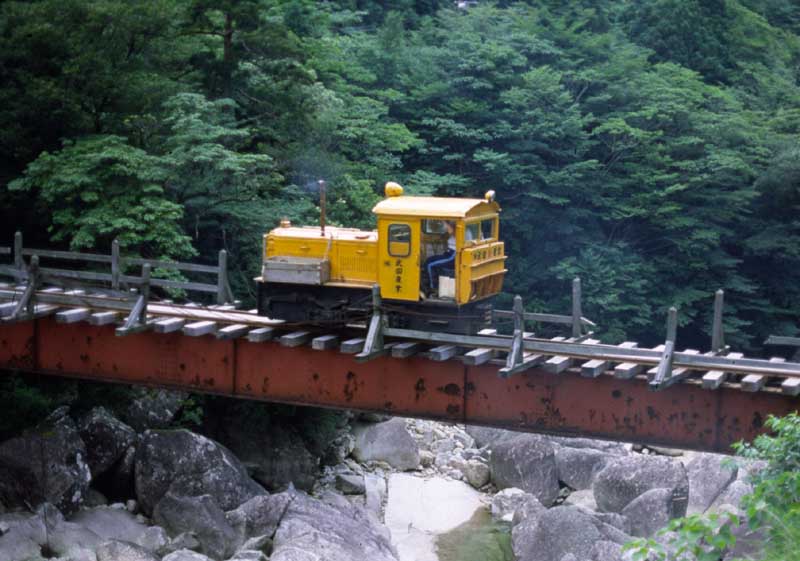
pixel 312 274
pixel 414 230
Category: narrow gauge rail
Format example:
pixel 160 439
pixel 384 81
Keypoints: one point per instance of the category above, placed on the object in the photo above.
pixel 556 355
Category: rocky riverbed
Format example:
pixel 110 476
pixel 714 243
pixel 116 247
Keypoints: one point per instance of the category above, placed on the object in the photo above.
pixel 96 487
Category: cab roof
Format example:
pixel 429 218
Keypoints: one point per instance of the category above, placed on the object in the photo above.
pixel 434 207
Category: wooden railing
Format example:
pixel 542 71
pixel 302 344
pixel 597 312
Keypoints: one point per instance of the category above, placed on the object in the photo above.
pixel 117 278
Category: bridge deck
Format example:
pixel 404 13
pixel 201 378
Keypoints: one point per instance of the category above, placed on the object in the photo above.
pixel 566 403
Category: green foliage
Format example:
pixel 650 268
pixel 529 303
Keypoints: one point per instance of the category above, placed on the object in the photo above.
pixel 100 188
pixel 649 147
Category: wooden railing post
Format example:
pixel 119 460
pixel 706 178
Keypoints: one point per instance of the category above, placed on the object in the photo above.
pixel 115 268
pixel 717 331
pixel 144 292
pixel 19 262
pixel 222 277
pixel 577 312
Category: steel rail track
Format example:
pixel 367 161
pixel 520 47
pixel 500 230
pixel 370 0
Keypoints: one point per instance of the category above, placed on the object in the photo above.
pixel 579 350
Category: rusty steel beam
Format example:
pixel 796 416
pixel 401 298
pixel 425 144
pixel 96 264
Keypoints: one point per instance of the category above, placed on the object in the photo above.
pixel 684 416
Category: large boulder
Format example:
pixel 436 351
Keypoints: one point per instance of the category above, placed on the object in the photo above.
pixel 47 463
pixel 577 467
pixel 625 478
pixel 201 516
pixel 24 534
pixel 558 532
pixel 259 516
pixel 275 457
pixel 312 530
pixel 708 478
pixel 388 442
pixel 115 550
pixel 106 438
pixel 528 463
pixel 649 512
pixel 152 408
pixel 732 495
pixel 188 464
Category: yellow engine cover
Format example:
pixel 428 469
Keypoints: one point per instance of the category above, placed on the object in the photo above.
pixel 352 253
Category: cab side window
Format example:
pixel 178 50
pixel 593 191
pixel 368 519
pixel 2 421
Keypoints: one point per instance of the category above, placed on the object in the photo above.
pixel 399 240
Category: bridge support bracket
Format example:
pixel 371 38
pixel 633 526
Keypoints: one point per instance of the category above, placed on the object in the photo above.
pixel 516 361
pixel 374 345
pixel 136 322
pixel 26 306
pixel 663 378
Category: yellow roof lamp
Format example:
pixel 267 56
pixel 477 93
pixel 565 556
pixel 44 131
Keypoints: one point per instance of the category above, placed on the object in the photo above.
pixel 397 204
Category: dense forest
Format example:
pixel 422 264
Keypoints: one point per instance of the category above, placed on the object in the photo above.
pixel 649 146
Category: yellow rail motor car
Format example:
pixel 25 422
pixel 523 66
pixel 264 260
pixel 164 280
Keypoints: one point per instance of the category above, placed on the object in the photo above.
pixel 438 262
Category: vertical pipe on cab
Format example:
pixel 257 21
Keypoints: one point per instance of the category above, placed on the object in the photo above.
pixel 322 186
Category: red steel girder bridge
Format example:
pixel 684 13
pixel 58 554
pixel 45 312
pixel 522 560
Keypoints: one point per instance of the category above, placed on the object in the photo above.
pixel 683 415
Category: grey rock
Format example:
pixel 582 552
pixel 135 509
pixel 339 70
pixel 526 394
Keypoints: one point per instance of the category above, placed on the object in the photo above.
pixel 426 458
pixel 708 478
pixel 555 533
pixel 22 537
pixel 351 484
pixel 184 540
pixel 577 467
pixel 625 478
pixel 507 501
pixel 649 512
pixel 528 463
pixel 388 442
pixel 375 493
pixel 153 539
pixel 336 500
pixel 68 538
pixel 605 551
pixel 188 464
pixel 607 446
pixel 732 495
pixel 312 530
pixel 249 555
pixel 443 445
pixel 259 516
pixel 45 464
pixel 486 436
pixel 613 520
pixel 201 516
pixel 583 498
pixel 123 551
pixel 339 449
pixel 106 438
pixel 476 473
pixel 569 557
pixel 258 543
pixel 527 511
pixel 153 409
pixel 186 555
pixel 110 523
